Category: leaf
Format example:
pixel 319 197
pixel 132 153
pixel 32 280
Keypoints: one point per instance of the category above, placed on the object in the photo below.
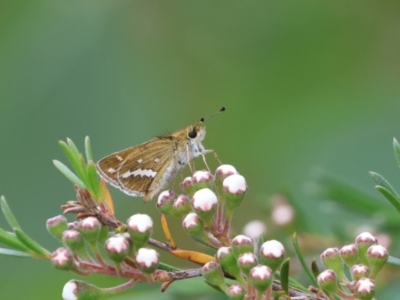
pixel 38 251
pixel 88 149
pixel 380 180
pixel 93 179
pixel 330 187
pixel 167 232
pixel 259 244
pixel 12 221
pixel 11 240
pixel 396 147
pixel 106 197
pixel 392 199
pixel 14 253
pixel 314 268
pixel 201 241
pixel 193 256
pixel 165 267
pixel 73 156
pixel 394 261
pixel 68 173
pixel 303 261
pixel 284 275
pixel 71 146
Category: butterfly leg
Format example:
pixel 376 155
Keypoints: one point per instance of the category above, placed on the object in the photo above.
pixel 203 154
pixel 205 162
pixel 216 157
pixel 188 160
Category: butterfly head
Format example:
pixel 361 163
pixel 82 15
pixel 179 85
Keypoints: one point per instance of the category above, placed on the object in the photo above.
pixel 196 132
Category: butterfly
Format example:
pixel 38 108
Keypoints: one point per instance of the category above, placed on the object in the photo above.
pixel 143 170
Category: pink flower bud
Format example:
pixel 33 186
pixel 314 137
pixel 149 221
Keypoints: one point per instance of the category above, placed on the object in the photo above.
pixel 147 260
pixel 62 259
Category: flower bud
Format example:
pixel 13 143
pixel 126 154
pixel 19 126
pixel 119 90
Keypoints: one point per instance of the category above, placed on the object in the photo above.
pixel 187 186
pixel 377 257
pixel 182 205
pixel 332 260
pixel 62 259
pixel 193 225
pixel 272 254
pixel 242 244
pixel 74 225
pixel 222 172
pixel 327 281
pixel 359 271
pixel 349 254
pixel 363 242
pixel 56 226
pixel 246 262
pixel 140 228
pixel 73 240
pixel 80 290
pixel 202 179
pixel 236 292
pixel 90 228
pixel 165 202
pixel 117 248
pixel 261 277
pixel 234 190
pixel 227 260
pixel 364 289
pixel 147 260
pixel 212 273
pixel 205 204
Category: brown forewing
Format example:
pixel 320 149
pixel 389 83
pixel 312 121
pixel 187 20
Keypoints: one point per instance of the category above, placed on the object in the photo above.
pixel 153 155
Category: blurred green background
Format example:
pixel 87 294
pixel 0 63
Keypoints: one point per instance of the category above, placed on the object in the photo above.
pixel 306 84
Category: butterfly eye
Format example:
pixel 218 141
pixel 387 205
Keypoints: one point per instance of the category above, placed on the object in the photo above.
pixel 192 133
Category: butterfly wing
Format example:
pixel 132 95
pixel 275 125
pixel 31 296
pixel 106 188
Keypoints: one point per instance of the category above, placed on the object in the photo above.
pixel 139 168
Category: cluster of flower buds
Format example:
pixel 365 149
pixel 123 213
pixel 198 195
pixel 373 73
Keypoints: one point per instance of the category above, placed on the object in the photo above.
pixel 125 250
pixel 207 204
pixel 252 268
pixel 364 259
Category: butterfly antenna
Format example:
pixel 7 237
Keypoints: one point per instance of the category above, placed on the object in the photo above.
pixel 216 113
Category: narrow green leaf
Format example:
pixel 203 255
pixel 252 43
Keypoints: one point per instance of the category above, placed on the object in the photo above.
pixel 12 221
pixel 9 252
pixel 71 145
pixel 165 267
pixel 201 241
pixel 68 173
pixel 392 199
pixel 93 179
pixel 352 198
pixel 259 244
pixel 314 268
pixel 10 240
pixel 73 157
pixel 292 282
pixel 285 275
pixel 396 147
pixel 88 149
pixel 38 251
pixel 380 180
pixel 303 261
pixel 84 176
pixel 394 261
